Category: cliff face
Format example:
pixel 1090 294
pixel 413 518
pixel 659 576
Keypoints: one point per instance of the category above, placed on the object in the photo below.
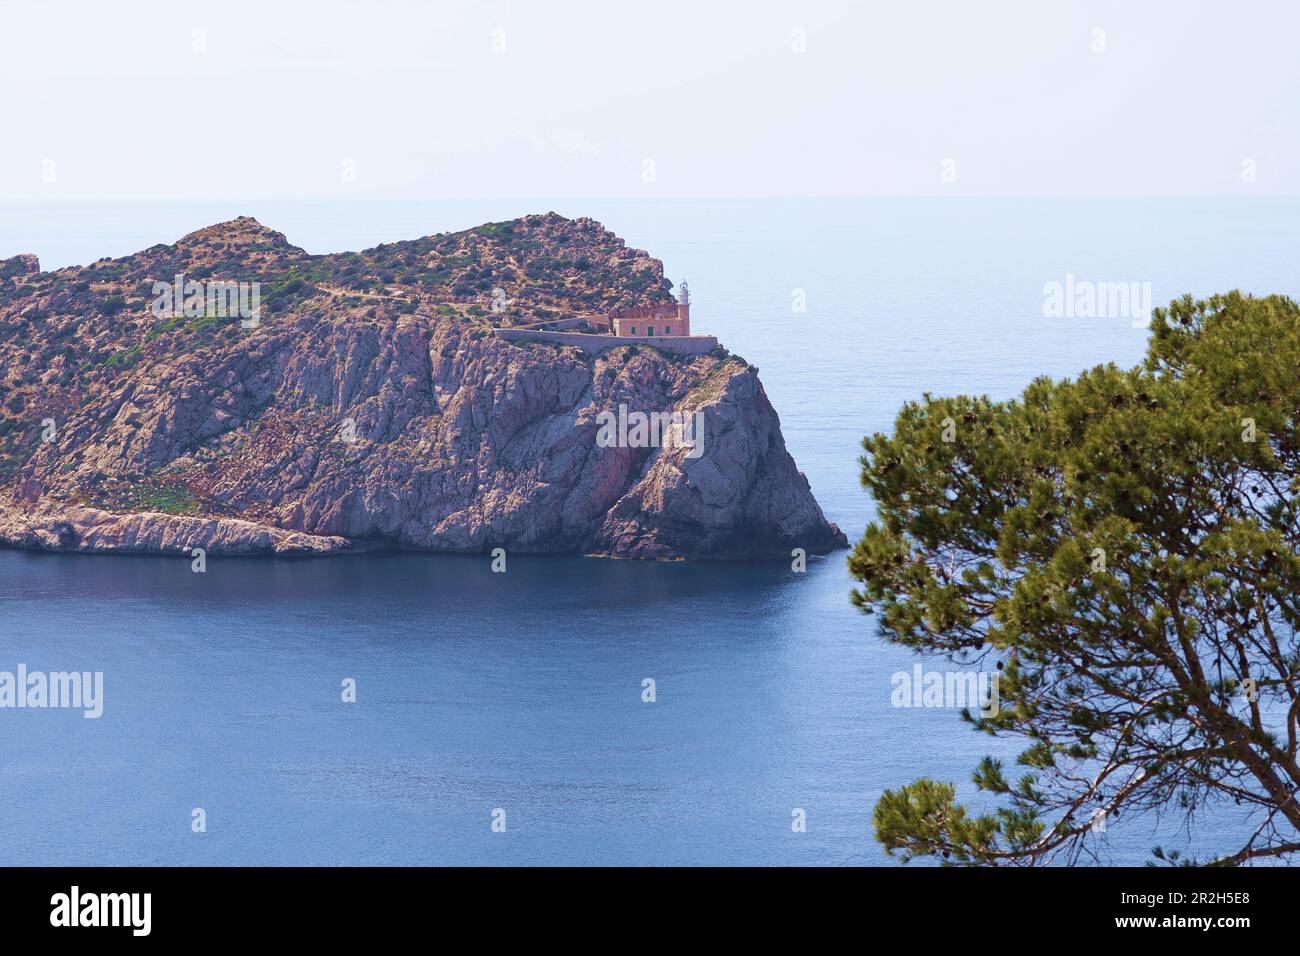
pixel 372 406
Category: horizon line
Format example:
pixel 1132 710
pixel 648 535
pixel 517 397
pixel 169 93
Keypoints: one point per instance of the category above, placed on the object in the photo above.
pixel 597 198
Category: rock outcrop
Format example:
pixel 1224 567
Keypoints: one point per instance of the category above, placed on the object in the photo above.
pixel 20 265
pixel 371 406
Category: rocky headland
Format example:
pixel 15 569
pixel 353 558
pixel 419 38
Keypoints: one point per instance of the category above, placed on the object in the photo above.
pixel 370 405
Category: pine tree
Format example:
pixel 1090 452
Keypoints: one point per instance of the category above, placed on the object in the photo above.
pixel 1126 547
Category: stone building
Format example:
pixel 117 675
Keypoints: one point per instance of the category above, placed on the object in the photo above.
pixel 654 320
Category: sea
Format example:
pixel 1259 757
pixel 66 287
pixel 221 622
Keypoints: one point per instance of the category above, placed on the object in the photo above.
pixel 400 709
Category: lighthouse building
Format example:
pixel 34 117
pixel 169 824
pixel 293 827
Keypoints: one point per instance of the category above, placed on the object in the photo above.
pixel 651 321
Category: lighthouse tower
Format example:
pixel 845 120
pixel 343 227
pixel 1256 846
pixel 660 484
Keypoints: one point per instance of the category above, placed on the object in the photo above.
pixel 684 309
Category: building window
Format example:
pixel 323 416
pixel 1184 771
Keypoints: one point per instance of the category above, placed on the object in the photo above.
pixel 650 330
pixel 634 330
pixel 668 330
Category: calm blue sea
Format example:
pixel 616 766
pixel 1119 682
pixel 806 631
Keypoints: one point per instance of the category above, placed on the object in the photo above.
pixel 523 692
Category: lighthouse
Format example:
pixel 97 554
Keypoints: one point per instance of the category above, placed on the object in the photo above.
pixel 684 310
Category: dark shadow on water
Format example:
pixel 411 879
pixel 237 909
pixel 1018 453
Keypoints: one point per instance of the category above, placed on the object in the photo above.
pixel 401 582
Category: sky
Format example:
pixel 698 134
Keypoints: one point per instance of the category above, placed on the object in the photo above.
pixel 399 99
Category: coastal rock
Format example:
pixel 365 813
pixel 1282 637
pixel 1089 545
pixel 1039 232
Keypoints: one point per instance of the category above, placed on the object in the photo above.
pixel 79 528
pixel 371 406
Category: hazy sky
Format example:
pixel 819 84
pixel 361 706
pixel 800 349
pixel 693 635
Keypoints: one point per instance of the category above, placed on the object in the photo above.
pixel 432 99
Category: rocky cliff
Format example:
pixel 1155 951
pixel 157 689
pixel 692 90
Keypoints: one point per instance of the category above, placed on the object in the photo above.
pixel 372 406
